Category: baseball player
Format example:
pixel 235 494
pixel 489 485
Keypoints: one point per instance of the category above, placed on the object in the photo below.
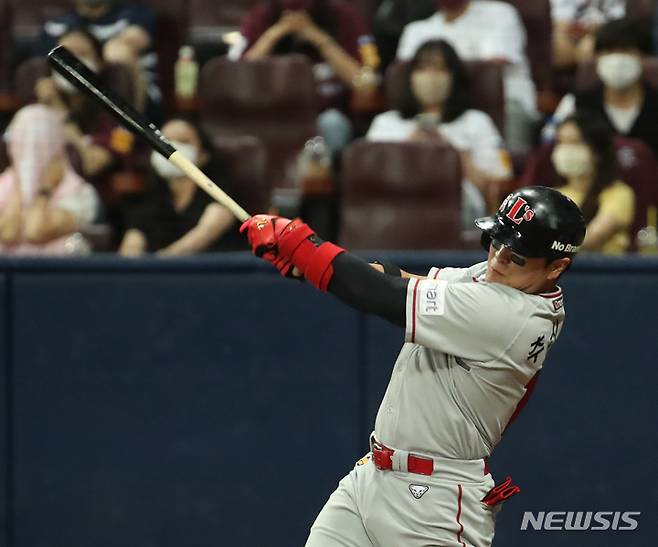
pixel 476 339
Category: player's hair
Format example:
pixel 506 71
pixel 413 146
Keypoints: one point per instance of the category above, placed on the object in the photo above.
pixel 624 34
pixel 598 135
pixel 458 100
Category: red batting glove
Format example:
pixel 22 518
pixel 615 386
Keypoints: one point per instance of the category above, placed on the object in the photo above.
pixel 308 253
pixel 262 233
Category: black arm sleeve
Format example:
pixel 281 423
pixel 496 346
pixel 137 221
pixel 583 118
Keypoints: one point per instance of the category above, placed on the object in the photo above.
pixel 365 289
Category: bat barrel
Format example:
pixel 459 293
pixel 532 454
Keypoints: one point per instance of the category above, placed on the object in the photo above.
pixel 76 72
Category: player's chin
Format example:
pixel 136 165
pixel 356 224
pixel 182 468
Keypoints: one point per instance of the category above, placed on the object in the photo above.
pixel 493 275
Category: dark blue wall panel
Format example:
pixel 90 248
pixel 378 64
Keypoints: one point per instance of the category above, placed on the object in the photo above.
pixel 178 409
pixel 4 418
pixel 208 402
pixel 588 438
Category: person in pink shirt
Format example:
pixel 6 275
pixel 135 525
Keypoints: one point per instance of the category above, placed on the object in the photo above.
pixel 43 202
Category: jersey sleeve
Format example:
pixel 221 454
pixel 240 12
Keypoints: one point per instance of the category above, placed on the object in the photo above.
pixel 475 321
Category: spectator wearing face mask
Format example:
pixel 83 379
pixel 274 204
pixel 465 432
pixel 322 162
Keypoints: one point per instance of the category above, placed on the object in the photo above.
pixel 43 202
pixel 110 157
pixel 489 31
pixel 627 102
pixel 83 118
pixel 434 106
pixel 335 37
pixel 174 216
pixel 125 31
pixel 584 156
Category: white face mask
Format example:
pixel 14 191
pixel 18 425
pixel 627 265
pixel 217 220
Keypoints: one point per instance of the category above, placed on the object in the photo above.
pixel 430 88
pixel 619 70
pixel 572 160
pixel 167 170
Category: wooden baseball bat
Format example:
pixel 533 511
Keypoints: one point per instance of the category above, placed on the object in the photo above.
pixel 76 72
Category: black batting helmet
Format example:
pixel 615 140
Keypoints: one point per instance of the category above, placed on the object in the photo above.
pixel 536 222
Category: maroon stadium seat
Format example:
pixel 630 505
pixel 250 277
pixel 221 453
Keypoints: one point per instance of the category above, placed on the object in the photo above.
pixel 641 10
pixel 486 88
pixel 401 196
pixel 638 169
pixel 536 17
pixel 273 99
pixel 247 159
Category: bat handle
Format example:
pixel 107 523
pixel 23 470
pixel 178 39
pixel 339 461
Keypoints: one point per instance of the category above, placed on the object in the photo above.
pixel 203 182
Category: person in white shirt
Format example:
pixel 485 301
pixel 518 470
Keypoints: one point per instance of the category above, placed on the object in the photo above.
pixel 490 31
pixel 434 106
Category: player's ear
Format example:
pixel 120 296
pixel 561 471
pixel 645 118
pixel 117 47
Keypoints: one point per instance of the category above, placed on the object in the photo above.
pixel 557 267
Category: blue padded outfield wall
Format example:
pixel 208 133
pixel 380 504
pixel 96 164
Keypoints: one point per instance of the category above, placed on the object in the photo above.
pixel 207 402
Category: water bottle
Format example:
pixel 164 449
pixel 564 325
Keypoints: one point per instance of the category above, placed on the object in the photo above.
pixel 647 237
pixel 186 78
pixel 314 168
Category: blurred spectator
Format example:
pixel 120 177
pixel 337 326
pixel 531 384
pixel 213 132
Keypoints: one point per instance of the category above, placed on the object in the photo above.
pixel 80 113
pixel 174 216
pixel 335 37
pixel 585 157
pixel 435 106
pixel 43 202
pixel 489 31
pixel 575 23
pixel 125 30
pixel 391 17
pixel 628 103
pixel 109 155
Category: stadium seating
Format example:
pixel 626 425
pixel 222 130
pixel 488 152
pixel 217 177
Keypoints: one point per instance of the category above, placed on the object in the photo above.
pixel 536 17
pixel 394 197
pixel 247 158
pixel 486 88
pixel 272 99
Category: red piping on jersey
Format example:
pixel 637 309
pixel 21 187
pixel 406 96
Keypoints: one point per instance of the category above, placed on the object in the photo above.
pixel 551 294
pixel 436 274
pixel 413 314
pixel 529 388
pixel 459 514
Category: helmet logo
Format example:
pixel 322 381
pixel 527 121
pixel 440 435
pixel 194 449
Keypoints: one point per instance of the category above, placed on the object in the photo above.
pixel 517 215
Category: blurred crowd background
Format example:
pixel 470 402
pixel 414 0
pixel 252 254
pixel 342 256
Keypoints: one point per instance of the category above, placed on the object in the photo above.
pixel 385 124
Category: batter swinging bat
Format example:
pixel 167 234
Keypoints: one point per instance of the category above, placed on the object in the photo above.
pixel 76 72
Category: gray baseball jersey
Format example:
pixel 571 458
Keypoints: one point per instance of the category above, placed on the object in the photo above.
pixel 472 348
